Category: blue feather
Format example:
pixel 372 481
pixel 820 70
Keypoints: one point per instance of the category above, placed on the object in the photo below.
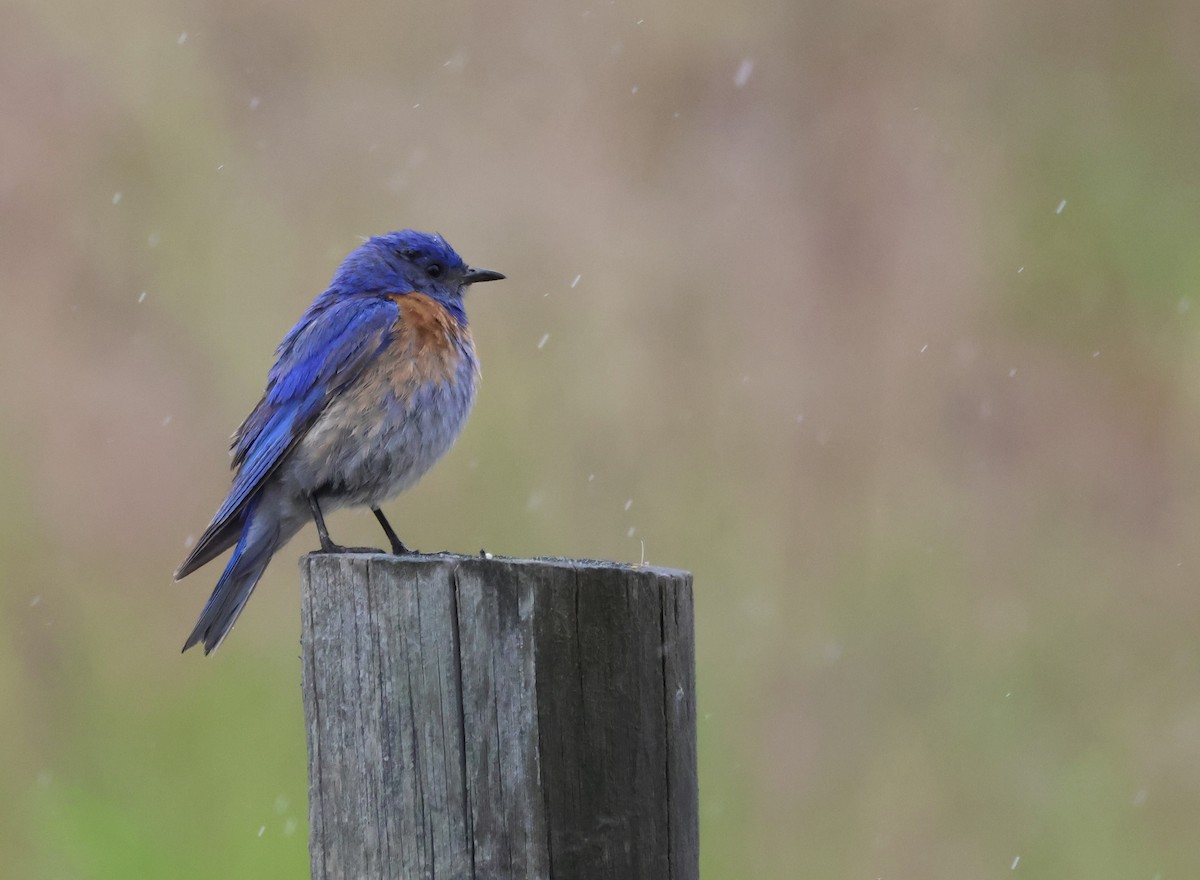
pixel 326 350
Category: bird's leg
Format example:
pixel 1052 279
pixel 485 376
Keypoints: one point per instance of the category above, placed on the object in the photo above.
pixel 327 545
pixel 398 548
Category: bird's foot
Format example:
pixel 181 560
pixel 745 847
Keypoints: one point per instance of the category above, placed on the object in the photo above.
pixel 338 548
pixel 398 549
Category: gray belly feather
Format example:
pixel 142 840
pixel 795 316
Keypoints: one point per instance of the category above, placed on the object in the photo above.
pixel 368 446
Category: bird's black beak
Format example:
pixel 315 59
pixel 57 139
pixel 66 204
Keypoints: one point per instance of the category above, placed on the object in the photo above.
pixel 476 275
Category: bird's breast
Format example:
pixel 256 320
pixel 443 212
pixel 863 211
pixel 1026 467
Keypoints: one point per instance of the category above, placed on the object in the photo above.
pixel 380 434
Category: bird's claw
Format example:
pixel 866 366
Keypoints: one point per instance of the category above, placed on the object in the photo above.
pixel 338 548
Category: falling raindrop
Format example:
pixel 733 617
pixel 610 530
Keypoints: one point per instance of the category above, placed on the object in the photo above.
pixel 743 73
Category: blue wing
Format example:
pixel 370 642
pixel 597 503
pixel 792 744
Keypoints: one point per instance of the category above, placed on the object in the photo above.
pixel 326 350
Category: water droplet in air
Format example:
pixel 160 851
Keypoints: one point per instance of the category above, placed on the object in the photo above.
pixel 743 73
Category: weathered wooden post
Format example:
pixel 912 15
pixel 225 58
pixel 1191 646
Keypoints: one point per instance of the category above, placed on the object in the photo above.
pixel 496 719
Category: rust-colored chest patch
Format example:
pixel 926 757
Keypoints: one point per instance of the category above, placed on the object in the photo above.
pixel 428 343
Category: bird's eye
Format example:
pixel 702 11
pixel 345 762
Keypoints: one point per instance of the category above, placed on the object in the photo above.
pixel 433 270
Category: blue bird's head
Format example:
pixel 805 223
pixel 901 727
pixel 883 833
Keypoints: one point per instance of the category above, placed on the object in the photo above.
pixel 410 261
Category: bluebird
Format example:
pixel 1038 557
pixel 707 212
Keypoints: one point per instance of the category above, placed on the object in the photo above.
pixel 368 390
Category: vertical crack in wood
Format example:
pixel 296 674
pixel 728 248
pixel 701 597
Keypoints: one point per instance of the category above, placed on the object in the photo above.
pixel 387 737
pixel 498 748
pixel 668 695
pixel 414 755
pixel 456 632
pixel 355 654
pixel 316 801
pixel 412 662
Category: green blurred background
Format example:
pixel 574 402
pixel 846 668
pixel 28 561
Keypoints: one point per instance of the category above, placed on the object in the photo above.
pixel 877 316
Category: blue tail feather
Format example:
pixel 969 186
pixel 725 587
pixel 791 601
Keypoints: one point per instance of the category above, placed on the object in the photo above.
pixel 254 550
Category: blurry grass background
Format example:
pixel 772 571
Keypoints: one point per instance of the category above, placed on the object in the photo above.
pixel 878 316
